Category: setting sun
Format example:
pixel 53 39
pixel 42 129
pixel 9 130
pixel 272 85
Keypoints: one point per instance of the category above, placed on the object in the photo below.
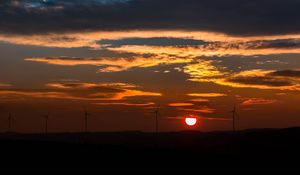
pixel 191 120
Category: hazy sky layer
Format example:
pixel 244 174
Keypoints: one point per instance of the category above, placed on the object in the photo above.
pixel 120 59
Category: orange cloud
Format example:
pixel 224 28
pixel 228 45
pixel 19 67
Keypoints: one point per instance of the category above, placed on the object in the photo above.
pixel 88 92
pixel 224 49
pixel 126 104
pixel 199 100
pixel 110 91
pixel 203 109
pixel 204 71
pixel 258 101
pixel 180 104
pixel 90 39
pixel 112 64
pixel 260 79
pixel 199 70
pixel 207 95
pixel 37 94
pixel 5 85
pixel 79 85
pixel 124 95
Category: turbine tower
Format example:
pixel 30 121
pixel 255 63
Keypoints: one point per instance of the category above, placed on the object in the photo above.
pixel 234 116
pixel 156 118
pixel 86 115
pixel 10 122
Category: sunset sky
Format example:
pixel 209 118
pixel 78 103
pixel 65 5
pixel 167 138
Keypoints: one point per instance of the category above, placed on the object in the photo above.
pixel 120 59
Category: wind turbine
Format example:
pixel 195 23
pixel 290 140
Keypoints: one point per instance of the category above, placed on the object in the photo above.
pixel 10 122
pixel 156 118
pixel 234 116
pixel 86 115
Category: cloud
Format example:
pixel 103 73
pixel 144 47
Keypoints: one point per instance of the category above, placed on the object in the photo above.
pixel 203 109
pixel 258 101
pixel 233 17
pixel 199 70
pixel 203 71
pixel 286 73
pixel 93 39
pixel 168 43
pixel 154 41
pixel 206 71
pixel 260 79
pixel 276 43
pixel 180 104
pixel 79 85
pixel 199 100
pixel 127 104
pixel 4 85
pixel 106 91
pixel 101 92
pixel 51 40
pixel 207 95
pixel 271 62
pixel 124 95
pixel 111 64
pixel 20 94
pixel 211 49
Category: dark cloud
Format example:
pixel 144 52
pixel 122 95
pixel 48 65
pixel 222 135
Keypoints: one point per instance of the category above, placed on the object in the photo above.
pixel 282 79
pixel 257 80
pixel 287 73
pixel 290 43
pixel 87 86
pixel 71 87
pixel 279 44
pixel 156 41
pixel 237 17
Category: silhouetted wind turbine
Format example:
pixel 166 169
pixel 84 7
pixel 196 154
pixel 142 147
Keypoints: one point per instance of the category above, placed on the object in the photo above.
pixel 86 115
pixel 234 115
pixel 156 119
pixel 10 122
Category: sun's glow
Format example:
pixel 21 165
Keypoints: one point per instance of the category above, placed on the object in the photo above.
pixel 191 121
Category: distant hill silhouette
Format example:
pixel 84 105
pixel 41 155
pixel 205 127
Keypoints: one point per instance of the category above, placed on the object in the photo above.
pixel 248 150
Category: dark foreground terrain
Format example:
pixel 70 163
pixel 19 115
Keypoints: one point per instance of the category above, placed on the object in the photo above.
pixel 250 150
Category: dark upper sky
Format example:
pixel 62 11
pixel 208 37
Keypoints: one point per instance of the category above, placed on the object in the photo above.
pixel 122 58
pixel 235 17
